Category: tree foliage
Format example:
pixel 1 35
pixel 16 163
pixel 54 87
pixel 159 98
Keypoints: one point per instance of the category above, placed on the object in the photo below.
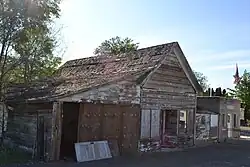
pixel 116 45
pixel 202 79
pixel 25 26
pixel 242 92
pixel 26 44
pixel 36 49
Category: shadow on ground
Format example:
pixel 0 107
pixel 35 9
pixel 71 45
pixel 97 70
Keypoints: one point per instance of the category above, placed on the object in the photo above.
pixel 231 154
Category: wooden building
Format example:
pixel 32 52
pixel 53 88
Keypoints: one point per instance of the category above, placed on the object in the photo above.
pixel 130 99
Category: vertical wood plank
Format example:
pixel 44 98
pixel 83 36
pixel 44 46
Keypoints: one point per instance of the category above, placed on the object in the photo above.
pixel 53 135
pixel 145 123
pixel 194 125
pixel 178 122
pixel 81 110
pixel 155 123
pixel 59 131
pixel 164 122
pixel 56 129
pixel 130 129
pixel 111 122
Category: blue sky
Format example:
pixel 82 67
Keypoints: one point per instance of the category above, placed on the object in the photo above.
pixel 214 35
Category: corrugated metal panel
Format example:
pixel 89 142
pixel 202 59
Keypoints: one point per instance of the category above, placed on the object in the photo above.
pixel 89 151
pixel 155 123
pixel 145 123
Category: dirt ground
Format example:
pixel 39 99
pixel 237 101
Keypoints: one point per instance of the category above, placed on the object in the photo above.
pixel 232 154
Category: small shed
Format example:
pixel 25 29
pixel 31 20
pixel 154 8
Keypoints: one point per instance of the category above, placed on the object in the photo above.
pixel 228 111
pixel 133 100
pixel 207 126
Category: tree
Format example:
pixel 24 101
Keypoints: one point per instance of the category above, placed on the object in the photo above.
pixel 16 18
pixel 242 92
pixel 36 49
pixel 19 20
pixel 116 45
pixel 202 79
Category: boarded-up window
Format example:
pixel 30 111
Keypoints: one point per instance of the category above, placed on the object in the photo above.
pixel 235 120
pixel 145 123
pixel 150 123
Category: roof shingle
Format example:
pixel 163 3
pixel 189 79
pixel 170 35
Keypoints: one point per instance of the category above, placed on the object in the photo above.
pixel 83 74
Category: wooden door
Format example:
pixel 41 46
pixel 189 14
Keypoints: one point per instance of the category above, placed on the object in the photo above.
pixel 89 127
pixel 111 122
pixel 131 129
pixel 44 125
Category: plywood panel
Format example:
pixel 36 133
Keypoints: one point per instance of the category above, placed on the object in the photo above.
pixel 145 123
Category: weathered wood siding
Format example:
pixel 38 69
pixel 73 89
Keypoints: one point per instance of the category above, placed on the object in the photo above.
pixel 22 125
pixel 44 137
pixel 124 91
pixel 167 88
pixel 3 118
pixel 22 128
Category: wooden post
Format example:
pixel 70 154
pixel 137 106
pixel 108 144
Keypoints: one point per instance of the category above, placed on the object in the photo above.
pixel 56 130
pixel 194 126
pixel 178 122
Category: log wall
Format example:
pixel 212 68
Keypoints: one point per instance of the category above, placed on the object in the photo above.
pixel 22 126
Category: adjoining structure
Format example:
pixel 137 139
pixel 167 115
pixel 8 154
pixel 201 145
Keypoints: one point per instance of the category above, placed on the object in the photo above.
pixel 130 100
pixel 217 118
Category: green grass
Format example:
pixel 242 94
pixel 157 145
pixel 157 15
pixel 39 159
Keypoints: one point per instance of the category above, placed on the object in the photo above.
pixel 13 156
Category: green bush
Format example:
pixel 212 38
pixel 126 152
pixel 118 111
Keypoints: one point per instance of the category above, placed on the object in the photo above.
pixel 13 156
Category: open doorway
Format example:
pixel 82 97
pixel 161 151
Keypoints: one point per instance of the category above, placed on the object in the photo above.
pixel 183 122
pixel 169 130
pixel 69 130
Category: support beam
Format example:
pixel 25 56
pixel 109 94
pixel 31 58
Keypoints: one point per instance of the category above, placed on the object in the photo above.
pixel 56 130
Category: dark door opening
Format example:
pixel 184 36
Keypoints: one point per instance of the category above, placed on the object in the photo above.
pixel 69 130
pixel 169 128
